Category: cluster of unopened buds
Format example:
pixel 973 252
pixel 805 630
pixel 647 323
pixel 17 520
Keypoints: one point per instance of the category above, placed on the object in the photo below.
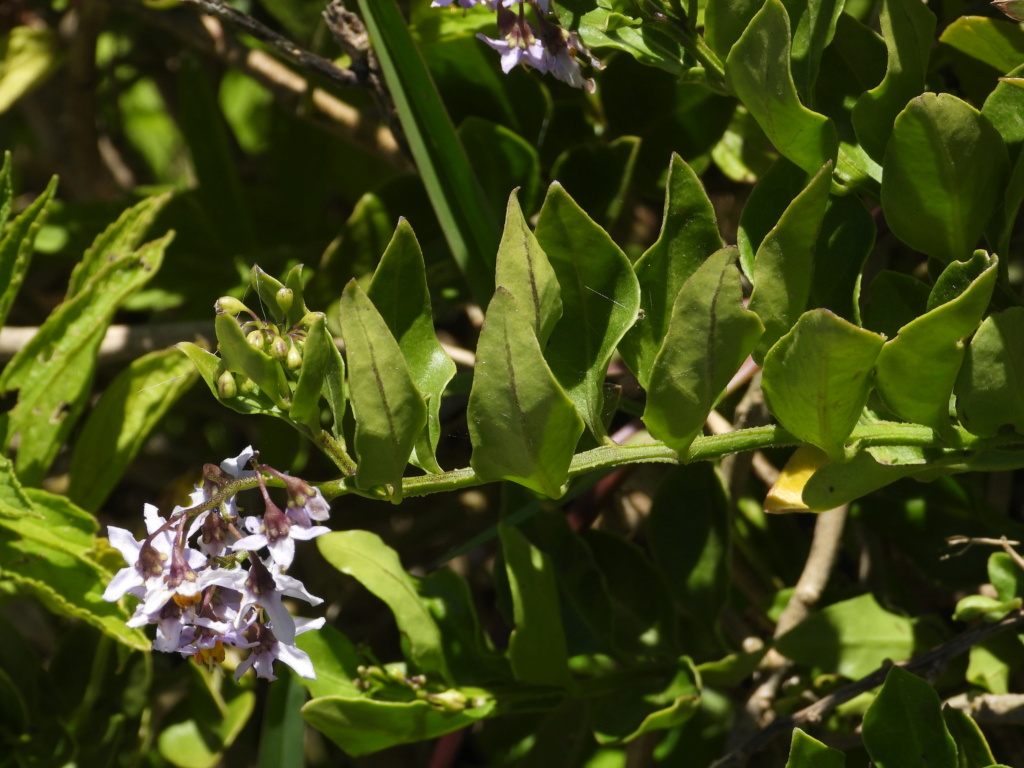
pixel 221 593
pixel 547 47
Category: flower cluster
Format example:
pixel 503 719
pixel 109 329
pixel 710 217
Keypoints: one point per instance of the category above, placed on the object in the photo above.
pixel 204 599
pixel 547 47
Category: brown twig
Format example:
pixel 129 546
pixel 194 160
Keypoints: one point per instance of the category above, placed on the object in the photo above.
pixel 289 88
pixel 243 22
pixel 995 708
pixel 934 660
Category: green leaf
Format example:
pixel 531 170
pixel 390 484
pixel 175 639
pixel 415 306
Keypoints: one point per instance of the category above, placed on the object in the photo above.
pixel 18 240
pixel 992 661
pixel 266 287
pixel 774 191
pixel 117 241
pixel 648 44
pixel 45 542
pixel 836 483
pixel 376 566
pixel 757 71
pixel 807 752
pixel 503 159
pixel 241 357
pixel 468 223
pixel 537 648
pixel 916 371
pixel 1003 107
pixel 53 372
pixel 644 617
pixel 361 726
pixel 522 425
pixel 896 300
pixel 598 175
pixel 643 705
pixel 210 368
pixel 29 54
pixel 120 423
pixel 335 659
pixel 852 638
pixel 845 241
pixel 990 386
pixel 908 28
pixel 470 655
pixel 220 189
pixel 709 336
pixel 785 261
pixel 399 292
pixel 818 376
pixel 814 25
pixel 389 410
pixel 689 235
pixel 975 606
pixel 1005 575
pixel 945 170
pixel 316 363
pixel 524 271
pixel 725 21
pixel 283 728
pixel 904 725
pixel 6 190
pixel 600 299
pixel 692 549
pixel 996 42
pixel 972 748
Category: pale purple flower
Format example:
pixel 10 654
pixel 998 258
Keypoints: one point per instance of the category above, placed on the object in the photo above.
pixel 145 558
pixel 268 648
pixel 279 534
pixel 260 586
pixel 518 51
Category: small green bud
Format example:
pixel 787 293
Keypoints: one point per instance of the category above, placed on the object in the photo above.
pixel 226 385
pixel 451 700
pixel 246 386
pixel 285 297
pixel 279 349
pixel 256 339
pixel 294 360
pixel 229 305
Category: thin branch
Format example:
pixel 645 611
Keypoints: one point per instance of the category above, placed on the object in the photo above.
pixel 934 660
pixel 994 708
pixel 289 88
pixel 243 22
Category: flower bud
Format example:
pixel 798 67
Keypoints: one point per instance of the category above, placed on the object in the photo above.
pixel 246 386
pixel 285 297
pixel 226 385
pixel 279 349
pixel 229 305
pixel 255 339
pixel 294 360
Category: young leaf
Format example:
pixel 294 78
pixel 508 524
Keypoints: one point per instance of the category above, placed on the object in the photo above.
pixel 365 557
pixel 758 72
pixel 361 726
pixel 990 386
pixel 524 271
pixel 242 358
pixel 845 241
pixel 814 25
pixel 469 224
pixel 916 371
pixel 44 549
pixel 53 371
pixel 537 648
pixel 210 368
pixel 502 159
pixel 523 426
pixel 725 21
pixel 997 42
pixel 785 260
pixel 117 241
pixel 121 421
pixel 972 748
pixel 18 241
pixel 852 638
pixel 945 171
pixel 689 234
pixel 908 28
pixel 806 752
pixel 818 376
pixel 644 704
pixel 6 190
pixel 283 727
pixel 389 410
pixel 600 299
pixel 904 726
pixel 399 292
pixel 774 191
pixel 709 336
pixel 336 660
pixel 316 361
